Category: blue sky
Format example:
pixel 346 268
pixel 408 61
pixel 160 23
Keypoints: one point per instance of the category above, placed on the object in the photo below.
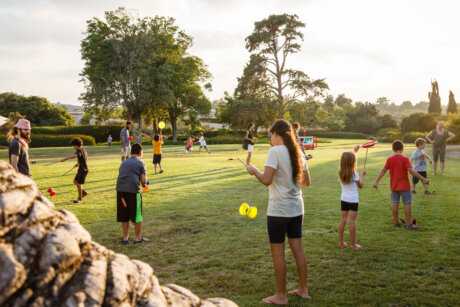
pixel 365 49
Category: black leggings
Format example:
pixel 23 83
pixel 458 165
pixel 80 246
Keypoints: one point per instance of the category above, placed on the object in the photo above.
pixel 278 227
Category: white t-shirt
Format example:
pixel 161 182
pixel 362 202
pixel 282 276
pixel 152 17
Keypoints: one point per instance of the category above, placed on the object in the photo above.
pixel 350 191
pixel 285 197
pixel 202 141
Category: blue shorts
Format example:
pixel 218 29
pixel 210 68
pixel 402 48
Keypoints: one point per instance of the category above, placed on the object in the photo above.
pixel 405 195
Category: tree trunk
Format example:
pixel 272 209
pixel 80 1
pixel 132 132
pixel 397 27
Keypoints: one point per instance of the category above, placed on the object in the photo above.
pixel 174 128
pixel 133 131
pixel 139 136
pixel 155 126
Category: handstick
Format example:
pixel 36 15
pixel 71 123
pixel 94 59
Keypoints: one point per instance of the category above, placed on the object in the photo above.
pixel 365 160
pixel 52 163
pixel 242 162
pixel 69 170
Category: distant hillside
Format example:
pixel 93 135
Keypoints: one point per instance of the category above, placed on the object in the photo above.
pixel 69 107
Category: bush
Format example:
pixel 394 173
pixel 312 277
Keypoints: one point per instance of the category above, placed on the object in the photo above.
pixel 47 140
pixel 418 122
pixel 410 137
pixel 336 135
pixel 453 125
pixel 99 133
pixel 389 136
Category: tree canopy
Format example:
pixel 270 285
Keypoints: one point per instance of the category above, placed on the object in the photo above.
pixel 435 99
pixel 272 41
pixel 38 110
pixel 452 106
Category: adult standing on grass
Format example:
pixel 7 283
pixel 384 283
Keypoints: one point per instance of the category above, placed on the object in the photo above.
pixel 124 139
pixel 19 138
pixel 131 175
pixel 249 142
pixel 285 170
pixel 439 137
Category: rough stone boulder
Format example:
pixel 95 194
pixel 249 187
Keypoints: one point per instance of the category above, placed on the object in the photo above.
pixel 48 259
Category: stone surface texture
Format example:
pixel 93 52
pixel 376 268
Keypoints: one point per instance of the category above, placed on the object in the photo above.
pixel 48 259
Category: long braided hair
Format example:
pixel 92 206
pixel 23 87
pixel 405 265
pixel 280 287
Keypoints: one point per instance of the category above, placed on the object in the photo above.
pixel 284 129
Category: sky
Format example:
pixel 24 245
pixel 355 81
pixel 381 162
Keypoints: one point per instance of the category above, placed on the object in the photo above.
pixel 364 49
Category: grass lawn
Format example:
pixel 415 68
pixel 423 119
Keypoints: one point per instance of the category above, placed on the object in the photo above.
pixel 199 240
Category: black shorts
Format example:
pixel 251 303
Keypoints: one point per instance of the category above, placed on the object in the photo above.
pixel 415 179
pixel 156 159
pixel 129 207
pixel 346 206
pixel 80 177
pixel 278 227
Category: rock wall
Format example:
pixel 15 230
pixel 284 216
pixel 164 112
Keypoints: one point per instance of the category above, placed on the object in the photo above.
pixel 48 259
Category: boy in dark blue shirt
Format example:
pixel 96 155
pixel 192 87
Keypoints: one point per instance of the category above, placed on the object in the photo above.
pixel 83 170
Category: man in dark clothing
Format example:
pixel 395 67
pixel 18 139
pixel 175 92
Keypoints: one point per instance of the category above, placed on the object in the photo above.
pixel 82 157
pixel 18 152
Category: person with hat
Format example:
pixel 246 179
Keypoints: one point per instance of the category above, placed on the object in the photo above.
pixel 19 138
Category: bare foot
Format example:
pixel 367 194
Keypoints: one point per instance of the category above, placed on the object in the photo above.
pixel 356 246
pixel 275 300
pixel 343 245
pixel 301 293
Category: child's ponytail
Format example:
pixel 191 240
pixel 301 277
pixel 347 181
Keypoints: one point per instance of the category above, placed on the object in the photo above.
pixel 284 129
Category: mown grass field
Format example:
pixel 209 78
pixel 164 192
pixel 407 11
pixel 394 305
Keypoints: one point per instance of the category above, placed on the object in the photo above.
pixel 199 240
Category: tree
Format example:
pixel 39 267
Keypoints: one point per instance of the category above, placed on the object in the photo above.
pixel 127 63
pixel 303 112
pixel 406 105
pixel 435 99
pixel 421 122
pixel 272 41
pixel 336 119
pixel 387 121
pixel 328 104
pixel 38 110
pixel 364 119
pixel 452 106
pixel 341 100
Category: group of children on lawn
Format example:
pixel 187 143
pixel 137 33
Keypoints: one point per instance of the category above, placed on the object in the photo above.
pixel 132 174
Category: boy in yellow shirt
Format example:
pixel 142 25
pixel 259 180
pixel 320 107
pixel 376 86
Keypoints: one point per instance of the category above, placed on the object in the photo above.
pixel 157 142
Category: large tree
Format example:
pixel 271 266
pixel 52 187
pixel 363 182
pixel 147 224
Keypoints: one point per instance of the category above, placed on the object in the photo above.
pixel 452 106
pixel 272 41
pixel 38 110
pixel 435 99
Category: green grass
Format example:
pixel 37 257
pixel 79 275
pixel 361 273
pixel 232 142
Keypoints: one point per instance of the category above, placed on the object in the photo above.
pixel 199 240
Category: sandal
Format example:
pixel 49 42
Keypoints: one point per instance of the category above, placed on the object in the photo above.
pixel 356 247
pixel 296 293
pixel 270 301
pixel 142 240
pixel 343 245
pixel 124 242
pixel 397 225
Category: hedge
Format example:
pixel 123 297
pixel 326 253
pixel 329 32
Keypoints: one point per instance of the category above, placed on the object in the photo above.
pixel 336 135
pixel 99 133
pixel 47 140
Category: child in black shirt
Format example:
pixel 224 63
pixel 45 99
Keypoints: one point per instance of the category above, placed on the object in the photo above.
pixel 82 157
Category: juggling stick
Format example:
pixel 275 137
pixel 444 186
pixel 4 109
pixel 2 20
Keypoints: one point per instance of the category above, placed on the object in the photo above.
pixel 367 145
pixel 242 162
pixel 69 170
pixel 52 163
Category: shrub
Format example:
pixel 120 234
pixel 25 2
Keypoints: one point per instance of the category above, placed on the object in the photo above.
pixel 47 140
pixel 336 135
pixel 389 136
pixel 99 133
pixel 453 125
pixel 418 122
pixel 410 137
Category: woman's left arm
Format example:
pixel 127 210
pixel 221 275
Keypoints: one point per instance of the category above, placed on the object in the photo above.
pixel 451 136
pixel 266 177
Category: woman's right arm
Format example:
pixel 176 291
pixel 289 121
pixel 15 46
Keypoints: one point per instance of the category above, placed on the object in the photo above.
pixel 428 137
pixel 247 136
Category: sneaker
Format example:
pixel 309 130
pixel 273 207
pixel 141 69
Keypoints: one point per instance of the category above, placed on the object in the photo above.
pixel 84 193
pixel 144 239
pixel 396 224
pixel 76 201
pixel 429 193
pixel 161 171
pixel 413 191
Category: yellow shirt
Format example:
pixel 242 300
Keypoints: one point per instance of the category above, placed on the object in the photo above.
pixel 157 147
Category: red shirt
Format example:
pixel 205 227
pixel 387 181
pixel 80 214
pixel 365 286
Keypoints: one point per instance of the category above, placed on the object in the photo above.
pixel 399 178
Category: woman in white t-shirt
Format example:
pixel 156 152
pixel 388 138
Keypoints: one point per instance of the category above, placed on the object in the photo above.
pixel 285 170
pixel 350 182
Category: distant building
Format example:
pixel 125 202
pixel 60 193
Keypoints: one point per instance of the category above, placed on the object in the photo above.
pixel 210 121
pixel 78 115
